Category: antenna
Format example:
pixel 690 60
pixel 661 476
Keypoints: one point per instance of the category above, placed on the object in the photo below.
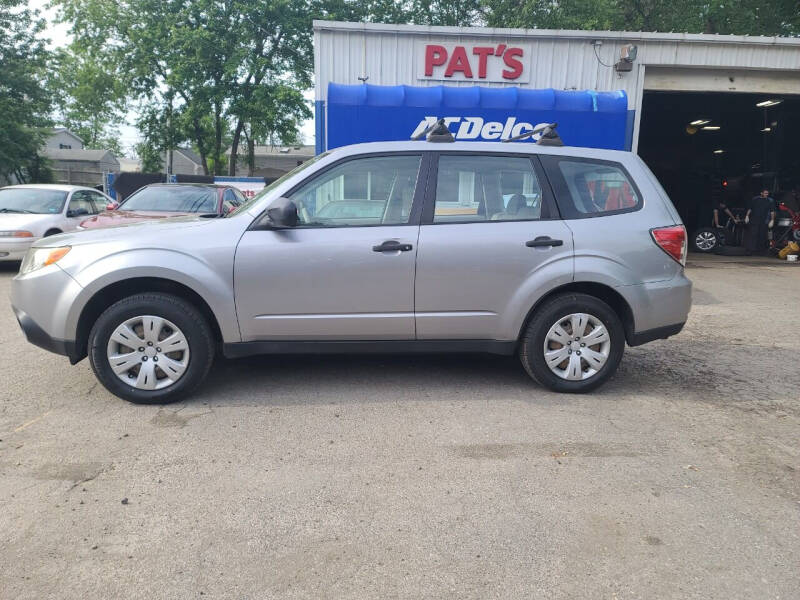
pixel 549 136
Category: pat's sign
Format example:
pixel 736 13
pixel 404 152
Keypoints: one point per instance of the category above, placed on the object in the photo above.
pixel 479 62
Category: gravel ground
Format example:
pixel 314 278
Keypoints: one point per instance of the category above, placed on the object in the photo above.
pixel 420 477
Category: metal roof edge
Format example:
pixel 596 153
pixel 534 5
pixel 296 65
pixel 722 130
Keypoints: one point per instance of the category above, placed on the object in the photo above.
pixel 656 36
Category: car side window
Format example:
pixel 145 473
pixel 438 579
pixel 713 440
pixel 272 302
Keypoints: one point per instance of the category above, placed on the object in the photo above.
pixel 591 188
pixel 471 188
pixel 98 201
pixel 80 201
pixel 229 201
pixel 360 192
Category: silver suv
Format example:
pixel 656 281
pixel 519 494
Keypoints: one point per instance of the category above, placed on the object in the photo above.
pixel 560 255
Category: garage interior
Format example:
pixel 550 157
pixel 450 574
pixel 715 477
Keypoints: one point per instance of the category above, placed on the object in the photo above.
pixel 705 145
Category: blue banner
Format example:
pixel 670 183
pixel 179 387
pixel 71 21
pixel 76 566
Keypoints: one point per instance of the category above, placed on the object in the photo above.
pixel 371 113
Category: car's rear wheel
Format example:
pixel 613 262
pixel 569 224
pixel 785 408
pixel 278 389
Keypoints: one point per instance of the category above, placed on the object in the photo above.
pixel 573 343
pixel 151 348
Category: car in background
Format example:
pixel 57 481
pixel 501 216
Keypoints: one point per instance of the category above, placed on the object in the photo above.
pixel 162 200
pixel 33 211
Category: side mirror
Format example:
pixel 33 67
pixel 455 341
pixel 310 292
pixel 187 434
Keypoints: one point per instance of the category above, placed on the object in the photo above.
pixel 282 214
pixel 78 212
pixel 112 206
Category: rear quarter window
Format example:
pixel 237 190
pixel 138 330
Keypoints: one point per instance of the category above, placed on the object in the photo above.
pixel 591 188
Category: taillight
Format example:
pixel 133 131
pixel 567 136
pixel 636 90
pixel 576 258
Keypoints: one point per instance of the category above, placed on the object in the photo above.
pixel 671 240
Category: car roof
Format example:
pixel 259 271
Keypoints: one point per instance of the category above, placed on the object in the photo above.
pixel 49 186
pixel 480 147
pixel 189 184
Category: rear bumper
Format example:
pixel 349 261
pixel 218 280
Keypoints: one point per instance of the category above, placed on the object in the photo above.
pixel 660 309
pixel 650 335
pixel 39 337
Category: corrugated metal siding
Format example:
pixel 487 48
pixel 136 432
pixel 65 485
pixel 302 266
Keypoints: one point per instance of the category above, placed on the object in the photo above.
pixel 560 59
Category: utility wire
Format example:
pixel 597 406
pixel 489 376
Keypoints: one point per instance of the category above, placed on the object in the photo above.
pixel 597 55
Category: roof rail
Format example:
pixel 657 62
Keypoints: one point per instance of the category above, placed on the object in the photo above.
pixel 549 135
pixel 437 132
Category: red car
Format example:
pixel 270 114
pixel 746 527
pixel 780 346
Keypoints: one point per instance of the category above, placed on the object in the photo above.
pixel 161 200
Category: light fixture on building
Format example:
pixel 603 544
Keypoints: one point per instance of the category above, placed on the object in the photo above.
pixel 711 128
pixel 719 151
pixel 699 122
pixel 766 129
pixel 768 103
pixel 627 54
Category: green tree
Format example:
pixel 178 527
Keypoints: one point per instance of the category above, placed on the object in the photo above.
pixel 24 101
pixel 751 17
pixel 90 97
pixel 202 59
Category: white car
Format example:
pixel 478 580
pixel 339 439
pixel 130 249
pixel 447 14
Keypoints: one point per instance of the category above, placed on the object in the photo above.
pixel 30 212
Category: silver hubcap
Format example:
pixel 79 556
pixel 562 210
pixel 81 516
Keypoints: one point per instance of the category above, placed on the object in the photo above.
pixel 705 240
pixel 577 346
pixel 148 352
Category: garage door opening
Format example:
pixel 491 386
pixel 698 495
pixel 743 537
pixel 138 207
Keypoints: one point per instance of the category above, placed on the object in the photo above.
pixel 709 146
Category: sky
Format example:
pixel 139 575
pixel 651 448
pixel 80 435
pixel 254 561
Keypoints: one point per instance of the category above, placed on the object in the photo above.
pixel 58 33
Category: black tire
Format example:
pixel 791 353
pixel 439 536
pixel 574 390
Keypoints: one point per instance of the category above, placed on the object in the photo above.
pixel 184 315
pixel 531 347
pixel 707 239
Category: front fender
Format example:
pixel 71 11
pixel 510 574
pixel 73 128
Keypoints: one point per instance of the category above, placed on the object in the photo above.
pixel 211 279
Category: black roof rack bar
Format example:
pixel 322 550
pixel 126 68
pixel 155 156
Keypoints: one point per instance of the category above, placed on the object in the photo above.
pixel 436 132
pixel 548 129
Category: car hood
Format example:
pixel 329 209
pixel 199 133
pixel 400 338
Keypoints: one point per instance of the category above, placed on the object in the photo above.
pixel 136 233
pixel 113 218
pixel 9 221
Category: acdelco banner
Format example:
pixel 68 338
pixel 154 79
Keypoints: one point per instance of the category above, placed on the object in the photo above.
pixel 371 113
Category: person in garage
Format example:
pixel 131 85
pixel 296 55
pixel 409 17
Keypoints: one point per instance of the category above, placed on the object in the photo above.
pixel 721 208
pixel 760 218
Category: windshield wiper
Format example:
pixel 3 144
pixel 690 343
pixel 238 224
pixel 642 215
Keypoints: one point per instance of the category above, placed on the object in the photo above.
pixel 15 210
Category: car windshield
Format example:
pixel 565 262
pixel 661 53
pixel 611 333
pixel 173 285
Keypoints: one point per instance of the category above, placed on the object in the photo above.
pixel 173 198
pixel 32 200
pixel 246 205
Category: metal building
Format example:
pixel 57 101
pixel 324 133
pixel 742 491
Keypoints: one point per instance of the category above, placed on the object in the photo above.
pixel 722 107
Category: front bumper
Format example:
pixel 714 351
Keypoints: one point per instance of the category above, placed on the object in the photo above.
pixel 39 337
pixel 42 301
pixel 14 249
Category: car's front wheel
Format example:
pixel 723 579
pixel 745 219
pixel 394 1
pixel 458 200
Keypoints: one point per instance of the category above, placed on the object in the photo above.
pixel 151 348
pixel 573 343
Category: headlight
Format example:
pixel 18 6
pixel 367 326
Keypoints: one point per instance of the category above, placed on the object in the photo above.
pixel 16 234
pixel 36 258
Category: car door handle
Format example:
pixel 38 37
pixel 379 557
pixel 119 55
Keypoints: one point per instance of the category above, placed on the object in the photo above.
pixel 392 246
pixel 543 240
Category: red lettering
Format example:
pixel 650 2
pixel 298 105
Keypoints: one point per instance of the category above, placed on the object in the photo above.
pixel 483 54
pixel 435 56
pixel 459 62
pixel 513 63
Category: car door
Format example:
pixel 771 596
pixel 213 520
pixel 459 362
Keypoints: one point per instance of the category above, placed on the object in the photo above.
pixel 346 272
pixel 490 244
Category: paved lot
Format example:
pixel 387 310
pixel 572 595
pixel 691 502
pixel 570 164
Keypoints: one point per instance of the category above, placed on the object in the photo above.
pixel 420 477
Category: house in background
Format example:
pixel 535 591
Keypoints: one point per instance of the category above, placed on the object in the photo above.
pixel 63 139
pixel 129 165
pixel 72 163
pixel 272 162
pixel 185 161
pixel 80 166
